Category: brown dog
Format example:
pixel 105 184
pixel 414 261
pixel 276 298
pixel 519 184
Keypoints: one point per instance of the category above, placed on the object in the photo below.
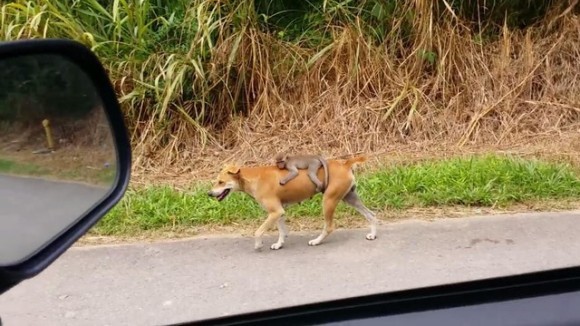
pixel 261 183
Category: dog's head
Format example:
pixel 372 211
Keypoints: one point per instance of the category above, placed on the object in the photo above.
pixel 228 180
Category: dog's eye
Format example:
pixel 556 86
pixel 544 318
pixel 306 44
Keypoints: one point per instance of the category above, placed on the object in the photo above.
pixel 220 183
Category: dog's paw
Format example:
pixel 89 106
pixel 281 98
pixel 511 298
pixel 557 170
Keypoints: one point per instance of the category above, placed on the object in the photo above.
pixel 258 245
pixel 314 242
pixel 276 246
pixel 371 236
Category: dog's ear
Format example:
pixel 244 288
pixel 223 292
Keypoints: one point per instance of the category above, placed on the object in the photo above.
pixel 233 169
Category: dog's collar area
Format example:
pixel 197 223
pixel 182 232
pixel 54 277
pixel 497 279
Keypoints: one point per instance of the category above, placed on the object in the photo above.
pixel 242 182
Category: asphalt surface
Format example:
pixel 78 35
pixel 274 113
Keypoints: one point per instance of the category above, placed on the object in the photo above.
pixel 33 210
pixel 162 283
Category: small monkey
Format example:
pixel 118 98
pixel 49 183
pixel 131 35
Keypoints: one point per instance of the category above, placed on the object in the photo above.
pixel 310 162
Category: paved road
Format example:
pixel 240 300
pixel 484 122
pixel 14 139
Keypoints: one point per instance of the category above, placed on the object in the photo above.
pixel 32 210
pixel 155 284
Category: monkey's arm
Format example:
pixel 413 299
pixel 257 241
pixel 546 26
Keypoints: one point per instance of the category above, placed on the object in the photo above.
pixel 291 175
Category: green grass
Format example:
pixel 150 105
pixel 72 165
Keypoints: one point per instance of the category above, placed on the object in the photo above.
pixel 478 181
pixel 11 167
pixel 105 177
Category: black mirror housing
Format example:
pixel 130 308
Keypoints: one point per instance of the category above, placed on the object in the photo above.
pixel 87 61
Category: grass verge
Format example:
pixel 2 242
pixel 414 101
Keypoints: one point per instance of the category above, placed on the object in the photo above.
pixel 16 168
pixel 59 170
pixel 483 181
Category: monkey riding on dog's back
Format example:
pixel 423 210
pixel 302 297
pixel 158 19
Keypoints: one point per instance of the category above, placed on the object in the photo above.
pixel 262 184
pixel 309 162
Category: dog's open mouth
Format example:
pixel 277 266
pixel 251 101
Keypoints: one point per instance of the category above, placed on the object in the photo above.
pixel 223 195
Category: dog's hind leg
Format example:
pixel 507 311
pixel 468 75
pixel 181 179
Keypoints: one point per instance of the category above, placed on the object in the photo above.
pixel 282 233
pixel 353 200
pixel 329 206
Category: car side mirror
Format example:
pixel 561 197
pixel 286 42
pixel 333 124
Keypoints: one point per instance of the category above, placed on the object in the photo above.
pixel 65 156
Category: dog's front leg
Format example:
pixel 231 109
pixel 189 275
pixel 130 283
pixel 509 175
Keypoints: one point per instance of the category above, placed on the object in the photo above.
pixel 273 216
pixel 282 234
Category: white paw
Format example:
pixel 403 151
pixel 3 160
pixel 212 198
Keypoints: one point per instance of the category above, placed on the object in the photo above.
pixel 371 236
pixel 258 245
pixel 276 246
pixel 314 242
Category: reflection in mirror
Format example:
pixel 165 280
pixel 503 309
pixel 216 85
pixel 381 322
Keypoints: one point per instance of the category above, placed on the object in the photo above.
pixel 57 155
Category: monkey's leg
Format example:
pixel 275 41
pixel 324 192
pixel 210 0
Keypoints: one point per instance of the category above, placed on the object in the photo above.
pixel 293 174
pixel 312 169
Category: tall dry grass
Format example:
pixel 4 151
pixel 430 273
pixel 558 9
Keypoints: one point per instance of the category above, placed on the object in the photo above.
pixel 204 80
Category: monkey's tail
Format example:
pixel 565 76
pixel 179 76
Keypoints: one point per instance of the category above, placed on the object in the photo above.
pixel 355 160
pixel 325 167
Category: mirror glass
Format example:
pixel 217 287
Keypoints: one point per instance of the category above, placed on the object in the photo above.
pixel 57 153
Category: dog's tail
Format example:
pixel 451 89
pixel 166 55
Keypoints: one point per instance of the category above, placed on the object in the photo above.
pixel 355 160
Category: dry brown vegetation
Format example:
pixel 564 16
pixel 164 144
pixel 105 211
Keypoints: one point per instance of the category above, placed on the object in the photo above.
pixel 519 93
pixel 82 148
pixel 435 84
pixel 359 97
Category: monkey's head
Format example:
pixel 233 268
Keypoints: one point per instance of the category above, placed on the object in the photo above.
pixel 228 180
pixel 280 160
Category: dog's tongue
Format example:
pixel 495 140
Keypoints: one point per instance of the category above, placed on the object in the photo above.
pixel 223 194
